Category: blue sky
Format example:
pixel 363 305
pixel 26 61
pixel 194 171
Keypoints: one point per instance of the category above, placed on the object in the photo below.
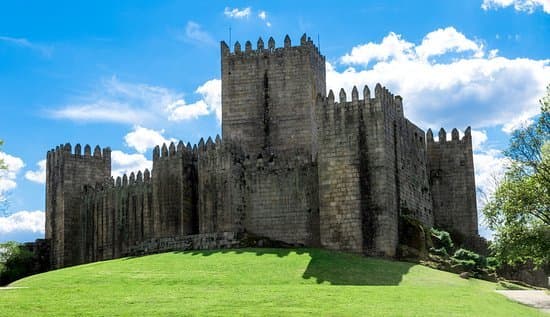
pixel 131 74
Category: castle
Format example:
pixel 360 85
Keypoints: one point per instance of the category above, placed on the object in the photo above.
pixel 294 164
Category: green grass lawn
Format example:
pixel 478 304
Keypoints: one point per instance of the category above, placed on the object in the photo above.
pixel 254 282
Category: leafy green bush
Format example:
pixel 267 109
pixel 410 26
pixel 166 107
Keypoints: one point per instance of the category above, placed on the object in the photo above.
pixel 442 239
pixel 470 260
pixel 439 251
pixel 468 265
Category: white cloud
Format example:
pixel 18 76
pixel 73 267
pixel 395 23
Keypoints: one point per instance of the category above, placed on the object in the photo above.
pixel 478 139
pixel 210 102
pixel 463 87
pixel 211 92
pixel 124 163
pixel 142 139
pixel 134 103
pixel 8 176
pixel 23 42
pixel 446 40
pixel 489 165
pixel 262 15
pixel 391 47
pixel 33 221
pixel 236 13
pixel 195 33
pixel 39 175
pixel 528 6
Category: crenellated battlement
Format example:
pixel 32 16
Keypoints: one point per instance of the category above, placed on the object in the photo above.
pixel 65 151
pixel 455 137
pixel 260 50
pixel 383 101
pixel 165 152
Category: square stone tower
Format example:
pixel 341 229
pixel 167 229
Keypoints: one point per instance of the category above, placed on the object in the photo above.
pixel 269 95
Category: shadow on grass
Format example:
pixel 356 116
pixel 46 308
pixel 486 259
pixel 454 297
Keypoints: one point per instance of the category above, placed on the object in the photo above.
pixel 336 268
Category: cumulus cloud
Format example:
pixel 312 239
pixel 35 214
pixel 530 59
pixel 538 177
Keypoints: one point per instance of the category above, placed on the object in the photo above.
pixel 124 163
pixel 528 6
pixel 22 226
pixel 142 139
pixel 237 13
pixel 444 41
pixel 136 103
pixel 447 79
pixel 8 176
pixel 39 175
pixel 210 103
pixel 194 33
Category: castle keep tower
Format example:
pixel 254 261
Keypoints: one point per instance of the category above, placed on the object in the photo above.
pixel 66 175
pixel 268 96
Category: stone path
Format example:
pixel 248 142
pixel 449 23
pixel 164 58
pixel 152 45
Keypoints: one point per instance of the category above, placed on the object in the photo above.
pixel 10 287
pixel 537 299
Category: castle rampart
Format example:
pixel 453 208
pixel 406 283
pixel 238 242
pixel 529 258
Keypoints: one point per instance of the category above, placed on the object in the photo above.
pixel 294 165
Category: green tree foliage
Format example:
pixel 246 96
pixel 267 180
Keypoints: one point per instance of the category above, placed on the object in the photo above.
pixel 519 210
pixel 2 165
pixel 15 262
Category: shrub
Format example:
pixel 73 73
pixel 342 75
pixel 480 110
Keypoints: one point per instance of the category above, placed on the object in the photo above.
pixel 442 239
pixel 439 251
pixel 470 259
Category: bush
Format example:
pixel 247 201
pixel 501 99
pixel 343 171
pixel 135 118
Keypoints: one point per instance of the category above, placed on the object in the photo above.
pixel 439 251
pixel 442 239
pixel 470 260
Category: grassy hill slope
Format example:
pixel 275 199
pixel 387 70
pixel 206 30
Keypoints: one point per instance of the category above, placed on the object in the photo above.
pixel 254 282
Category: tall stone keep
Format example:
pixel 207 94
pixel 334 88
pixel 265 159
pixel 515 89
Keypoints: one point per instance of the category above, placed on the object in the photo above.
pixel 452 180
pixel 269 95
pixel 66 175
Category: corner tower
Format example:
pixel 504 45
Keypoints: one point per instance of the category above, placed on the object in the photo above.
pixel 452 182
pixel 269 96
pixel 66 175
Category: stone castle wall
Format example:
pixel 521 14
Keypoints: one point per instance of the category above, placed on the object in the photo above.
pixel 294 166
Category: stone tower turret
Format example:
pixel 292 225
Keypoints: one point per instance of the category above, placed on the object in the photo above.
pixel 451 170
pixel 66 175
pixel 269 95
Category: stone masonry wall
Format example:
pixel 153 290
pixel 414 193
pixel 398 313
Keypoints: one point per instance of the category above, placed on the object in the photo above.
pixel 203 241
pixel 341 175
pixel 381 125
pixel 451 168
pixel 414 188
pixel 282 199
pixel 221 189
pixel 174 190
pixel 115 215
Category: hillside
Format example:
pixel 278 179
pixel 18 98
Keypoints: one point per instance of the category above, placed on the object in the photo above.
pixel 254 282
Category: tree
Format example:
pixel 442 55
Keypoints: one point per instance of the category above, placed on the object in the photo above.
pixel 2 165
pixel 519 210
pixel 15 262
